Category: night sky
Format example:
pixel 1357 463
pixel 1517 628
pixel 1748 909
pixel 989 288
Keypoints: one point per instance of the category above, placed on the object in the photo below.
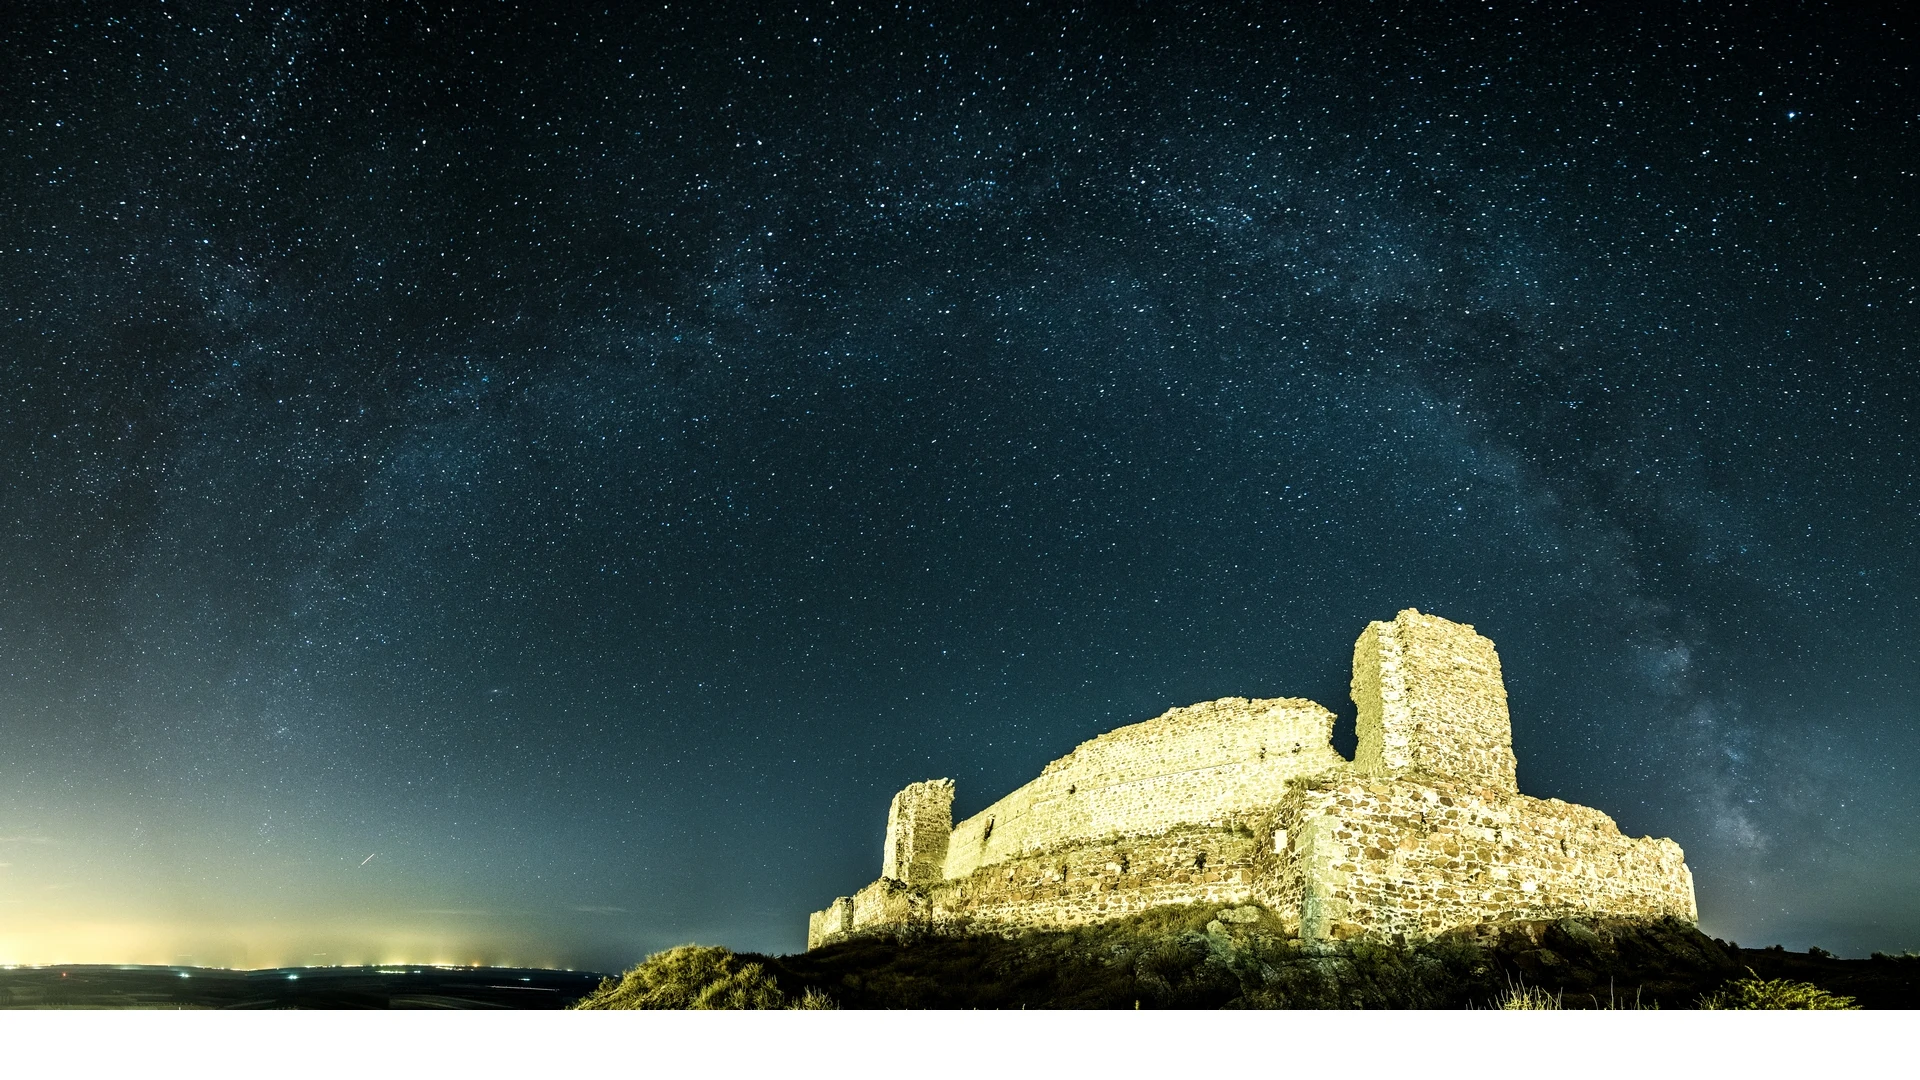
pixel 518 485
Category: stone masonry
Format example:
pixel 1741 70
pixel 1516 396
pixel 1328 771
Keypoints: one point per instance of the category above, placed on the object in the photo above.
pixel 1242 801
pixel 1431 700
pixel 919 823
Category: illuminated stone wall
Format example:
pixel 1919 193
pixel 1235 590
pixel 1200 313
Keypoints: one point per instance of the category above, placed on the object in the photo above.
pixel 1079 883
pixel 1431 699
pixel 832 922
pixel 1413 858
pixel 1072 884
pixel 1201 763
pixel 919 823
pixel 1236 801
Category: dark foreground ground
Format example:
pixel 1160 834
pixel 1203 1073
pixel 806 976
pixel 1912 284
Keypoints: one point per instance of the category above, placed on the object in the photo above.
pixel 1198 958
pixel 88 986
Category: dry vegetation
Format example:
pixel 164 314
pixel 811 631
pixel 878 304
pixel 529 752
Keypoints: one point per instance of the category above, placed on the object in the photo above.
pixel 1755 992
pixel 1203 957
pixel 697 977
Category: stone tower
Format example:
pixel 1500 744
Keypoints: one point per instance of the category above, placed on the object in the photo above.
pixel 919 823
pixel 1431 700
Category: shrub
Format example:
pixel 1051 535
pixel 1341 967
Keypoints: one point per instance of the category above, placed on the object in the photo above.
pixel 1755 992
pixel 697 977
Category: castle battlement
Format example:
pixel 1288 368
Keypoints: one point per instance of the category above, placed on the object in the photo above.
pixel 1241 800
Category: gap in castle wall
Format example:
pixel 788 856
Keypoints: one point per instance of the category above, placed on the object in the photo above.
pixel 1345 738
pixel 1331 688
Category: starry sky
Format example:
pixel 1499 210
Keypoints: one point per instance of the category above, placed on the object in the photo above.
pixel 526 485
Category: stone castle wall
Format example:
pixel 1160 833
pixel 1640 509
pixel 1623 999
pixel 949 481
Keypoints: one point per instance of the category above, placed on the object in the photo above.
pixel 831 923
pixel 1240 800
pixel 1079 883
pixel 1201 763
pixel 1071 884
pixel 1411 858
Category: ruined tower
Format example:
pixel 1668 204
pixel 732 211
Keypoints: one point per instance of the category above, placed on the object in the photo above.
pixel 1431 700
pixel 919 823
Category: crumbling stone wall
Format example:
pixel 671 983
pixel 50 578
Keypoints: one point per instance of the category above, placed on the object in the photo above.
pixel 830 923
pixel 919 823
pixel 1201 763
pixel 1078 883
pixel 1431 699
pixel 1414 857
pixel 1071 884
pixel 1240 800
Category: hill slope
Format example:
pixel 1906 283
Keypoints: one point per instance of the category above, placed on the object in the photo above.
pixel 1207 957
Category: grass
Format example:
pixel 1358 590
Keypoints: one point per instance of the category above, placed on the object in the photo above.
pixel 1754 992
pixel 1530 999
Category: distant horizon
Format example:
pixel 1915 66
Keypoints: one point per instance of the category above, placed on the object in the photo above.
pixel 615 968
pixel 245 952
pixel 195 966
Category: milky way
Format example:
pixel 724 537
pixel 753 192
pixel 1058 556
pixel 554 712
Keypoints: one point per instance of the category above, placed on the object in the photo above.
pixel 590 462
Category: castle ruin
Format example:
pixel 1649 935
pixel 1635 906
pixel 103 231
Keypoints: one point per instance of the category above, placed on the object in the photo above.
pixel 1241 801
